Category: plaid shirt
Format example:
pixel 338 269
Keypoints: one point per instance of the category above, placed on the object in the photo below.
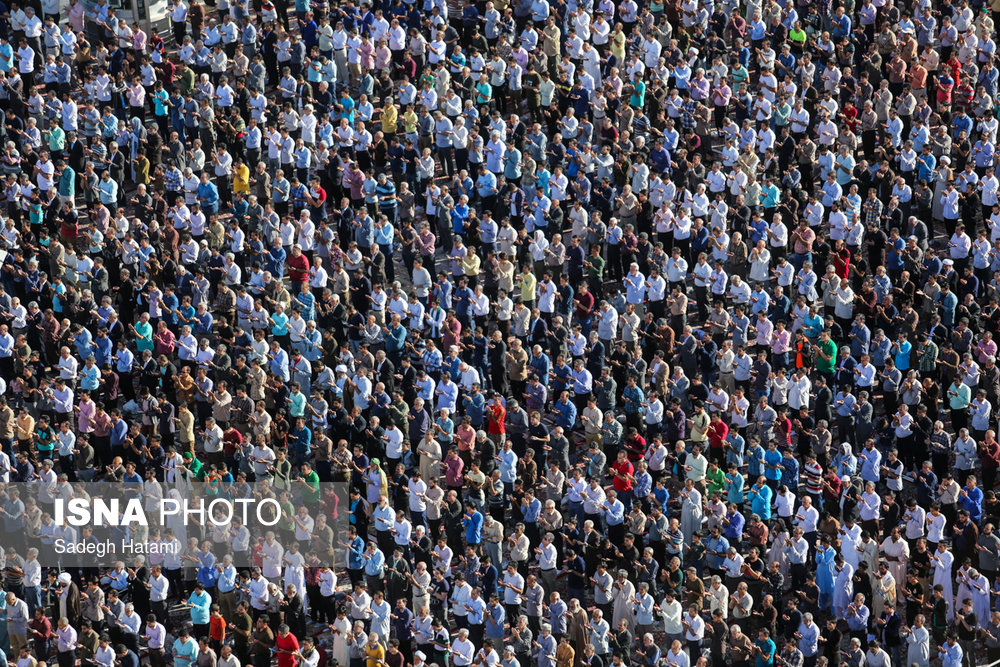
pixel 688 121
pixel 791 658
pixel 172 180
pixel 872 209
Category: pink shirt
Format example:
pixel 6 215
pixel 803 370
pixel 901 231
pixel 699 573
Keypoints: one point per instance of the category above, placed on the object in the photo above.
pixel 781 342
pixel 136 96
pixel 985 349
pixel 85 420
pixel 366 52
pixel 453 474
pixel 164 341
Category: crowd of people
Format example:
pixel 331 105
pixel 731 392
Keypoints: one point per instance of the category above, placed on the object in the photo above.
pixel 643 334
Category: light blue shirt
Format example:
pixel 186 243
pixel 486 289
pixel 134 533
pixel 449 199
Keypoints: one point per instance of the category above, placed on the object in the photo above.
pixel 200 611
pixel 615 514
pixel 952 656
pixel 635 286
pixel 227 579
pixel 508 467
pixel 186 652
pixel 871 463
pixel 374 564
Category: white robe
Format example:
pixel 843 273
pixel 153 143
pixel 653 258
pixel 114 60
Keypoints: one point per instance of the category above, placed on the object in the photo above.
pixel 691 515
pixel 850 539
pixel 843 589
pixel 884 594
pixel 778 555
pixel 869 554
pixel 918 647
pixel 979 590
pixel 623 604
pixel 901 551
pixel 341 645
pixel 295 575
pixel 942 575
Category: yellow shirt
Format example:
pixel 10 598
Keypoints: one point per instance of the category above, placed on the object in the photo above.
pixel 470 264
pixel 618 45
pixel 374 654
pixel 390 115
pixel 410 121
pixel 528 284
pixel 25 427
pixel 241 179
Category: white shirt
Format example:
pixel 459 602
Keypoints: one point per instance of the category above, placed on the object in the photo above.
pixel 806 519
pixel 67 638
pixel 160 586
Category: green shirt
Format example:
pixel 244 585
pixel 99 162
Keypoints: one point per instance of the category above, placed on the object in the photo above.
pixel 596 271
pixel 716 481
pixel 187 80
pixel 57 139
pixel 196 468
pixel 828 348
pixel 245 623
pixel 310 491
pixel 67 182
pixel 289 509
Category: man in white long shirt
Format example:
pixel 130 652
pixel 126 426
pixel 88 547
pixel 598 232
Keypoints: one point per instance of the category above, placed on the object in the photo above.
pixel 797 551
pixel 271 552
pixel 462 650
pixel 694 627
pixel 156 635
pixel 918 643
pixel 66 642
pixel 806 518
pixel 671 612
pixel 718 597
pixel 159 587
pixel 798 390
pixel 260 595
pixel 936 523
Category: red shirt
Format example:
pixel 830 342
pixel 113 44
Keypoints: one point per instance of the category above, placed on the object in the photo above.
pixel 298 268
pixel 717 433
pixel 217 628
pixel 286 646
pixel 842 264
pixel 496 425
pixel 831 494
pixel 584 305
pixel 319 195
pixel 624 468
pixel 231 440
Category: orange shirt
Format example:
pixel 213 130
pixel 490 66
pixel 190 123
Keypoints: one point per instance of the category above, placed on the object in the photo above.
pixel 217 628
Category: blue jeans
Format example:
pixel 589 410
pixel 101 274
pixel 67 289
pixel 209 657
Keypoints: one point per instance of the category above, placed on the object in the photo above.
pixel 798 259
pixel 626 498
pixel 33 596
